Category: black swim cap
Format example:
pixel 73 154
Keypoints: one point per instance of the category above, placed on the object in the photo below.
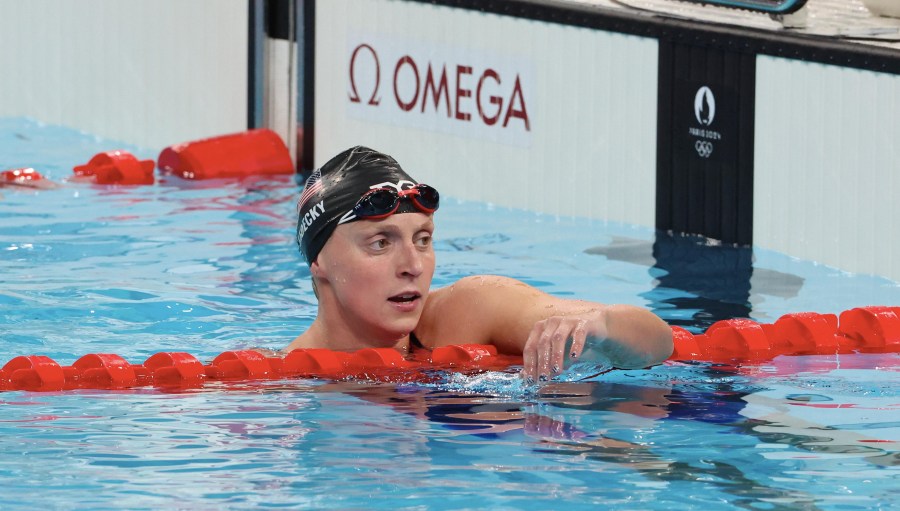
pixel 333 189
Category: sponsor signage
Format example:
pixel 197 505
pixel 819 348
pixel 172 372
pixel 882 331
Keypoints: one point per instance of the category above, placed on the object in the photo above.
pixel 447 89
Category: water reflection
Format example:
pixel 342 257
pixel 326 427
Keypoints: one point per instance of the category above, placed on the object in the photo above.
pixel 699 281
pixel 737 436
pixel 722 439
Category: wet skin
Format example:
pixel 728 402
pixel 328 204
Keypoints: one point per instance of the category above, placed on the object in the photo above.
pixel 373 279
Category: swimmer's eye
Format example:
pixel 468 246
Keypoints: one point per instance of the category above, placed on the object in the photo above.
pixel 379 244
pixel 424 241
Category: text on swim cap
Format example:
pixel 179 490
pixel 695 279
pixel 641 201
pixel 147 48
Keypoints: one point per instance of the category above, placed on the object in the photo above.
pixel 310 217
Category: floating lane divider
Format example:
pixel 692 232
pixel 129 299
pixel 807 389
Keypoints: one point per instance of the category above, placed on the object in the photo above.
pixel 179 369
pixel 117 167
pixel 861 330
pixel 734 341
pixel 21 176
pixel 248 153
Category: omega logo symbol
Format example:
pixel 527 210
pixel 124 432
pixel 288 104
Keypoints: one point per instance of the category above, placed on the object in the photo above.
pixel 354 95
pixel 704 106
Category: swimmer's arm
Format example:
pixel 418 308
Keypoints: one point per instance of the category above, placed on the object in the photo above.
pixel 519 319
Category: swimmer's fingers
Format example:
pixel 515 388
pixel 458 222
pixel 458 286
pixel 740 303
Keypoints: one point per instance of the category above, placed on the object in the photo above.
pixel 557 332
pixel 545 350
pixel 551 347
pixel 545 354
pixel 542 341
pixel 557 356
pixel 530 352
pixel 540 349
pixel 579 337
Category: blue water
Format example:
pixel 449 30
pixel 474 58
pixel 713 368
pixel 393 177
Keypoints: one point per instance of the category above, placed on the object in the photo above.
pixel 212 266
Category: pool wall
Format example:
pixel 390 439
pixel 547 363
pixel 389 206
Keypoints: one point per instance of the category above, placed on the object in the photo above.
pixel 827 164
pixel 145 72
pixel 770 138
pixel 748 136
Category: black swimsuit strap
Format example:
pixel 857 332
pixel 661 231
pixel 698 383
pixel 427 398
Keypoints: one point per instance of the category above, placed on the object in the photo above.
pixel 414 342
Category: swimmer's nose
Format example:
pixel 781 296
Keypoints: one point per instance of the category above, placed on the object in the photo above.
pixel 411 262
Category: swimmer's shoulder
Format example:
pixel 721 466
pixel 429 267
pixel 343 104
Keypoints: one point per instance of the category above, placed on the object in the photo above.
pixel 482 288
pixel 463 293
pixel 463 312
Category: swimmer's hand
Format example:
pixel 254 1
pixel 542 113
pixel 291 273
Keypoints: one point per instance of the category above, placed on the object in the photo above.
pixel 555 340
pixel 625 336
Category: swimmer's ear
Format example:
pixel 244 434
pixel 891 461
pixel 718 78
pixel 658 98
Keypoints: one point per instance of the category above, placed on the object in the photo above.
pixel 320 270
pixel 316 270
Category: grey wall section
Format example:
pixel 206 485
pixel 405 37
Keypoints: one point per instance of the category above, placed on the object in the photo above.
pixel 499 109
pixel 145 72
pixel 828 164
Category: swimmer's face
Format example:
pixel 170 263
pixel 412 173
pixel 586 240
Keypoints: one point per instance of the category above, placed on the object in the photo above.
pixel 377 273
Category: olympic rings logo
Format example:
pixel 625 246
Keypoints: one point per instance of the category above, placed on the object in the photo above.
pixel 704 148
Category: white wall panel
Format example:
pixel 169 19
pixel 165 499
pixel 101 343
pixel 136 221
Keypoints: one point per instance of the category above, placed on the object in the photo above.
pixel 590 96
pixel 146 72
pixel 827 165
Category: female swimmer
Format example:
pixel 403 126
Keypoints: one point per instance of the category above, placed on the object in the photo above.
pixel 365 227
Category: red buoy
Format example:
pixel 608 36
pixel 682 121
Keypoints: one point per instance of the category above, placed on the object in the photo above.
pixel 249 153
pixel 20 176
pixel 117 167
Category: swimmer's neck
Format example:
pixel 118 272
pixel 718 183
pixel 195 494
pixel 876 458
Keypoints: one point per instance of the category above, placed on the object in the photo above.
pixel 318 336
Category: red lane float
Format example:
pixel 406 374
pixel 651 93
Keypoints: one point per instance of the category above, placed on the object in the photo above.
pixel 175 368
pixel 735 342
pixel 874 329
pixel 32 372
pixel 314 362
pixel 240 365
pixel 22 176
pixel 863 329
pixel 117 167
pixel 249 153
pixel 166 369
pixel 104 370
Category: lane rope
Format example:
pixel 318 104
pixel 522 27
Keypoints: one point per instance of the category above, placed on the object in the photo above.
pixel 873 329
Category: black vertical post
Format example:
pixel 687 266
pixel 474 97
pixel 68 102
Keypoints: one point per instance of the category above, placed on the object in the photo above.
pixel 705 142
pixel 306 39
pixel 256 34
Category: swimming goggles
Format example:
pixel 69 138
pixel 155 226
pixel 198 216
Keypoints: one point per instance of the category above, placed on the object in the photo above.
pixel 384 202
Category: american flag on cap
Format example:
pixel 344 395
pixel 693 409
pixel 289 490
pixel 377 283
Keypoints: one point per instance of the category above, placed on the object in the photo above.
pixel 313 186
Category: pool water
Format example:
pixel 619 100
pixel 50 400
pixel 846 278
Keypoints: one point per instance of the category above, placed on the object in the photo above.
pixel 206 267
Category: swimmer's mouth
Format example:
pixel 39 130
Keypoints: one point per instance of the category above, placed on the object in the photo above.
pixel 405 297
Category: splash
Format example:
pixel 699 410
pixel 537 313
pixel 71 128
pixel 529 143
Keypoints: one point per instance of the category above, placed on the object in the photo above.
pixel 493 383
pixel 510 384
